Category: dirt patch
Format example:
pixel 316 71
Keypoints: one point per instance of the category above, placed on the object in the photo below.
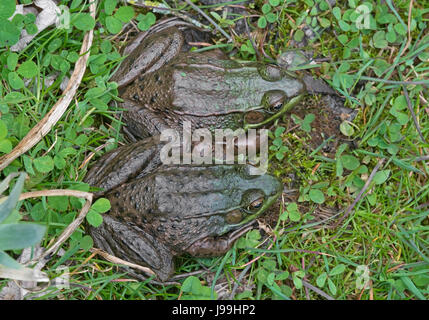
pixel 329 114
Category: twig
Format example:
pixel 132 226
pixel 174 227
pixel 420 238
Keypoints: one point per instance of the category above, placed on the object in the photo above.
pixel 165 10
pixel 51 118
pixel 317 290
pixel 258 257
pixel 187 274
pixel 422 158
pixel 409 28
pixel 238 282
pixel 255 48
pixel 92 154
pixel 418 82
pixel 201 12
pixel 258 55
pixel 367 183
pixel 53 145
pixel 72 226
pixel 56 193
pixel 410 108
pixel 117 260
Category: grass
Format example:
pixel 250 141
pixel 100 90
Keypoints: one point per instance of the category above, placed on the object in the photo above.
pixel 297 254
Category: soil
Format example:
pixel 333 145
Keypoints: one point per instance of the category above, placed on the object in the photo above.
pixel 330 113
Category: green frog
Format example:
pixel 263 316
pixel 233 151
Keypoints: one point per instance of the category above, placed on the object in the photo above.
pixel 159 212
pixel 163 86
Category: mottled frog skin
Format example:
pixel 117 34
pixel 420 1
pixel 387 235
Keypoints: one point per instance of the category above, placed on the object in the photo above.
pixel 163 86
pixel 159 212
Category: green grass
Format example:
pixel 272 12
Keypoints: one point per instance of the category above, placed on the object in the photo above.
pixel 302 254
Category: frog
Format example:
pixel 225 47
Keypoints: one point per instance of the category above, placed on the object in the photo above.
pixel 163 86
pixel 159 212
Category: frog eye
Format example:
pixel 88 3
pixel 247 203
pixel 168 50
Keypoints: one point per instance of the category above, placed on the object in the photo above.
pixel 270 72
pixel 274 100
pixel 256 205
pixel 277 106
pixel 253 200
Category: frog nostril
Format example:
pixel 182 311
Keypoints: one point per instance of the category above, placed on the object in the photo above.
pixel 270 72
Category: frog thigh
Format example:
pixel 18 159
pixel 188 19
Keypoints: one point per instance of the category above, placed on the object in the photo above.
pixel 93 177
pixel 142 122
pixel 119 165
pixel 152 53
pixel 134 245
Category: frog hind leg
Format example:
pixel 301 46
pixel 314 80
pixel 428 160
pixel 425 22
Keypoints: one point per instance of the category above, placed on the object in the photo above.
pixel 93 176
pixel 216 246
pixel 152 53
pixel 134 245
pixel 142 122
pixel 156 29
pixel 122 164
